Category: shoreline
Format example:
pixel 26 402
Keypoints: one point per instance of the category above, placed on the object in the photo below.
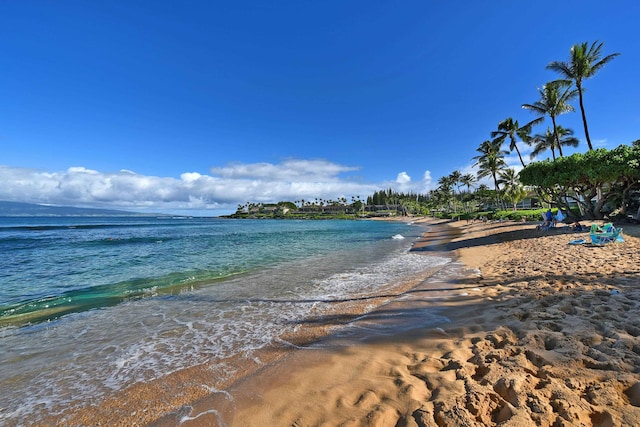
pixel 508 340
pixel 172 394
pixel 543 335
pixel 317 343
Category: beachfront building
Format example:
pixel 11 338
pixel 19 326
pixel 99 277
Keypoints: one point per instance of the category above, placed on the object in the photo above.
pixel 528 203
pixel 384 210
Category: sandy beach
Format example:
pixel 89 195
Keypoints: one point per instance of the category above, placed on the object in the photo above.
pixel 523 329
pixel 543 333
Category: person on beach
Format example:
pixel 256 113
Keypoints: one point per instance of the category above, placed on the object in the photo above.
pixel 578 227
pixel 548 221
pixel 548 216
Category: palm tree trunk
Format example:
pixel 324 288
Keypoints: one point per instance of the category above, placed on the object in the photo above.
pixel 519 155
pixel 498 195
pixel 584 118
pixel 555 133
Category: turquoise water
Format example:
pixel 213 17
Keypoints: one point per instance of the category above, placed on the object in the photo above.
pixel 93 305
pixel 52 267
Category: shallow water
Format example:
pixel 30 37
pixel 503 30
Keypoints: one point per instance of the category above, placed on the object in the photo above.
pixel 114 302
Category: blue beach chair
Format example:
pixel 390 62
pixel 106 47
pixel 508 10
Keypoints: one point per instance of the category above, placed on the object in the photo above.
pixel 605 234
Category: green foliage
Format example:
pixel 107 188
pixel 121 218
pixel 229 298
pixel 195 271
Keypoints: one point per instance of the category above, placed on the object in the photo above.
pixel 510 128
pixel 490 160
pixel 391 197
pixel 529 215
pixel 583 63
pixel 580 177
pixel 515 194
pixel 288 205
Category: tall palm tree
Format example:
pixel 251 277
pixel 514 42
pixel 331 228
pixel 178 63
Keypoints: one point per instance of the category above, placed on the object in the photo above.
pixel 490 160
pixel 542 143
pixel 510 128
pixel 554 100
pixel 584 62
pixel 445 183
pixel 565 138
pixel 524 133
pixel 549 141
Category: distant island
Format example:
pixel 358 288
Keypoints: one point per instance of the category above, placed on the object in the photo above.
pixel 29 209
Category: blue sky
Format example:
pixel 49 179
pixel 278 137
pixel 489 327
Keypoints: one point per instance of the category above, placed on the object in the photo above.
pixel 198 106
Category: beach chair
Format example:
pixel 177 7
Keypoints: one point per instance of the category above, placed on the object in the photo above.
pixel 605 234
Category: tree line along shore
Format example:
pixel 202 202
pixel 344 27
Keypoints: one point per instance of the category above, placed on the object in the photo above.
pixel 596 184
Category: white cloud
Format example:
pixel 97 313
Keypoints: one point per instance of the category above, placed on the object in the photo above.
pixel 403 178
pixel 82 170
pixel 598 143
pixel 223 190
pixel 404 184
pixel 291 169
pixel 427 180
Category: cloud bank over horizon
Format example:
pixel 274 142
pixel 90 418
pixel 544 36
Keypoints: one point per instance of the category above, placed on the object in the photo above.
pixel 221 191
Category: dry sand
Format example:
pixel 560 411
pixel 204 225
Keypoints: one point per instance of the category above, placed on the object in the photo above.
pixel 547 334
pixel 541 333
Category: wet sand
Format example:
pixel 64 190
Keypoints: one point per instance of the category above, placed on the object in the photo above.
pixel 534 331
pixel 545 333
pixel 166 400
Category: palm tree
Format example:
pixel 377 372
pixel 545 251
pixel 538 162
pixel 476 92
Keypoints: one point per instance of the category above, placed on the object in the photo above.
pixel 584 62
pixel 468 179
pixel 515 194
pixel 490 160
pixel 482 194
pixel 445 187
pixel 510 128
pixel 554 100
pixel 542 143
pixel 509 177
pixel 565 138
pixel 524 133
pixel 455 182
pixel 455 179
pixel 548 141
pixel 513 189
pixel 445 183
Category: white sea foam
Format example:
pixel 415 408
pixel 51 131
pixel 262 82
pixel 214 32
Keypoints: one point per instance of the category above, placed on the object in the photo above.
pixel 210 411
pixel 142 340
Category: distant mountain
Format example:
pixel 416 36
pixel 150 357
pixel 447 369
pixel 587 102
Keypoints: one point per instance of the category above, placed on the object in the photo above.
pixel 28 209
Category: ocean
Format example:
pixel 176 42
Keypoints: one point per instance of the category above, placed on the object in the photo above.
pixel 91 306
